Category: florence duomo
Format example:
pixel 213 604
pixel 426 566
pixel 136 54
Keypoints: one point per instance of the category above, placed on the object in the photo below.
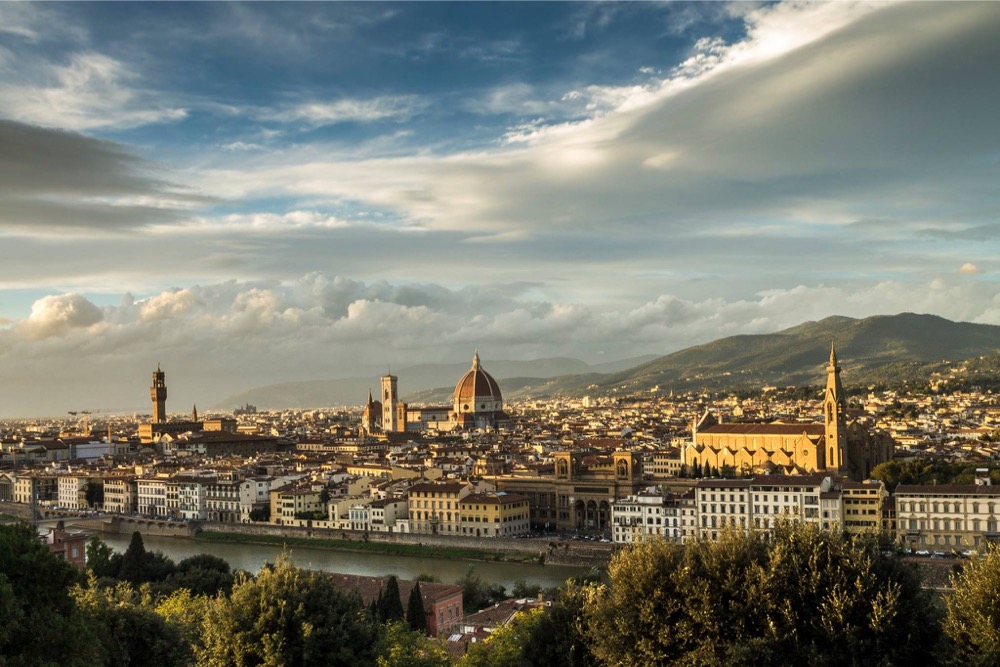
pixel 477 404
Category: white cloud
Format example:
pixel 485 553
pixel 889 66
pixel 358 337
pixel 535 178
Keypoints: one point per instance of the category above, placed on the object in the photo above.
pixel 58 315
pixel 90 91
pixel 969 269
pixel 319 113
pixel 234 335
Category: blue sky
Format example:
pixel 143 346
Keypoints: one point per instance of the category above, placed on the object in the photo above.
pixel 261 192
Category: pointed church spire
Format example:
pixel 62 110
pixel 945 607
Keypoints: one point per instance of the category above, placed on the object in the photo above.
pixel 833 355
pixel 194 413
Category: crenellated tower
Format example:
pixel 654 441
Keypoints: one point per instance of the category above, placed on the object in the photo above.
pixel 158 394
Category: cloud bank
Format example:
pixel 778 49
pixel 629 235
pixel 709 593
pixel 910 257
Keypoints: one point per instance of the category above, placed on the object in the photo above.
pixel 221 338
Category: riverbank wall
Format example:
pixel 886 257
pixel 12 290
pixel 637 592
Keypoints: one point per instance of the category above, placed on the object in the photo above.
pixel 540 549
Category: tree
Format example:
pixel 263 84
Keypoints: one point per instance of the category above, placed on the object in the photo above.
pixel 415 614
pixel 555 638
pixel 94 493
pixel 203 574
pixel 801 596
pixel 133 566
pixel 139 566
pixel 287 616
pixel 128 632
pixel 40 624
pixel 477 595
pixel 505 647
pixel 102 559
pixel 390 606
pixel 972 620
pixel 400 646
pixel 523 589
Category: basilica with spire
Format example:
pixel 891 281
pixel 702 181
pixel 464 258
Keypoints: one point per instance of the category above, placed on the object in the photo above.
pixel 476 404
pixel 838 444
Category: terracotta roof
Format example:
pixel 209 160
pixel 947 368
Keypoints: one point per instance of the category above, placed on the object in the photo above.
pixel 950 489
pixel 766 429
pixel 476 384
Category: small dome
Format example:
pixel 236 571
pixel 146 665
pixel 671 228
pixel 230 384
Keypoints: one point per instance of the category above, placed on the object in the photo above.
pixel 477 391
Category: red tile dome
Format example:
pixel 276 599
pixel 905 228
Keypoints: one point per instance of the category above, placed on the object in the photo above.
pixel 477 391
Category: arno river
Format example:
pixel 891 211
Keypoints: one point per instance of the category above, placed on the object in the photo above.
pixel 251 557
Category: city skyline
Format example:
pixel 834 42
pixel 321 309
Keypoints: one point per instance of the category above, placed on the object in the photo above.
pixel 256 193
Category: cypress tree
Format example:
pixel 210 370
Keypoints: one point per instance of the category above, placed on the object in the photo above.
pixel 133 568
pixel 390 606
pixel 415 610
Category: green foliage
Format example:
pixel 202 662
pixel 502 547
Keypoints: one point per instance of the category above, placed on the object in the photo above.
pixel 261 513
pixel 287 616
pixel 133 566
pixel 802 597
pixel 523 589
pixel 186 612
pixel 389 606
pixel 505 647
pixel 555 638
pixel 203 574
pixel 129 632
pixel 415 613
pixel 478 595
pixel 102 559
pixel 39 624
pixel 399 646
pixel 894 473
pixel 972 621
pixel 94 493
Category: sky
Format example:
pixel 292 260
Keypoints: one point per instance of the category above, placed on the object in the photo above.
pixel 251 193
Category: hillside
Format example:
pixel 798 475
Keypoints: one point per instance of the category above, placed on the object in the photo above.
pixel 875 349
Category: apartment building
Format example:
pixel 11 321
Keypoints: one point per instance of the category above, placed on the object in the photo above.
pixel 947 517
pixel 433 507
pixel 494 515
pixel 647 515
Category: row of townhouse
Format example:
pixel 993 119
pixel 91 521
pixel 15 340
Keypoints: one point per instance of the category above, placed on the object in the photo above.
pixel 758 503
pixel 948 517
pixel 939 518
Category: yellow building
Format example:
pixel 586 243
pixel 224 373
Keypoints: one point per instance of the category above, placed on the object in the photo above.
pixel 835 445
pixel 494 515
pixel 863 504
pixel 292 499
pixel 434 507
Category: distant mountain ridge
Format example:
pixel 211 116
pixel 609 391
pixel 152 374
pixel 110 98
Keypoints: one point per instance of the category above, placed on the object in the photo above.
pixel 412 381
pixel 883 348
pixel 872 349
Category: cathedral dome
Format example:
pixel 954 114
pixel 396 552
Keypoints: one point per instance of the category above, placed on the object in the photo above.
pixel 477 391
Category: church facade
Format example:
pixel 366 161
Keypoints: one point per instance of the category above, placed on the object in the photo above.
pixel 837 444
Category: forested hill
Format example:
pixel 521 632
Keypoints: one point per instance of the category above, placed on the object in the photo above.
pixel 882 349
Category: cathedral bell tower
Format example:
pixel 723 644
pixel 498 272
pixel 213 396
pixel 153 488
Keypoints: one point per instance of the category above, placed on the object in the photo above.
pixel 390 423
pixel 158 394
pixel 835 416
